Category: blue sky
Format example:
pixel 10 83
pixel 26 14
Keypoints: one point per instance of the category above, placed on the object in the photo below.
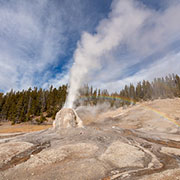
pixel 39 41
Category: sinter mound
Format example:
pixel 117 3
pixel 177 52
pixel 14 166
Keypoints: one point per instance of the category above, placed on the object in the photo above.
pixel 67 118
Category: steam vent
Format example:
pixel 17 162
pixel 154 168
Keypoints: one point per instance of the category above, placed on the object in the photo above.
pixel 67 118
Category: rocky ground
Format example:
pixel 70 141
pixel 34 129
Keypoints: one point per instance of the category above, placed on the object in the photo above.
pixel 141 142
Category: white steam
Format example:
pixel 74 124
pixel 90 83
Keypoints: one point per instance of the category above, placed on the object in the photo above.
pixel 124 19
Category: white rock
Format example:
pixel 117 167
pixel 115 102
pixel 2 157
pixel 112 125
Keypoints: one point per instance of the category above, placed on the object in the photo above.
pixel 10 149
pixel 67 118
pixel 123 155
pixel 169 150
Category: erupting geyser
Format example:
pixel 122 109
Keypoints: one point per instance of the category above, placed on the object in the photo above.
pixel 67 118
pixel 93 50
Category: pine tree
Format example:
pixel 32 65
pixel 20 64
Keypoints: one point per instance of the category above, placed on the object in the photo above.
pixel 177 82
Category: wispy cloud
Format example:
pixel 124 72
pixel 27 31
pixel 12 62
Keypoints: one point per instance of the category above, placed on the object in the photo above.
pixel 31 38
pixel 160 68
pixel 35 36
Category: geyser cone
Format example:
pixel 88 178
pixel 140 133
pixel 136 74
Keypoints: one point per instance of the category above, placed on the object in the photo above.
pixel 67 118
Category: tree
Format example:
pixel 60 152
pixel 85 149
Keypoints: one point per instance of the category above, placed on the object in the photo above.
pixel 177 82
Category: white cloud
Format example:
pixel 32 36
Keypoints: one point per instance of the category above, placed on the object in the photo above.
pixel 59 80
pixel 158 31
pixel 160 68
pixel 31 38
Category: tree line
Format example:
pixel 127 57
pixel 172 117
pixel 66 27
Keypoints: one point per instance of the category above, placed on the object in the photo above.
pixel 165 87
pixel 25 105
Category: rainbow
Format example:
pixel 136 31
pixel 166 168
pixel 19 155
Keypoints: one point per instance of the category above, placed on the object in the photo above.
pixel 162 115
pixel 131 101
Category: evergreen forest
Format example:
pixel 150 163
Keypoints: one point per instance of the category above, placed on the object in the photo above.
pixel 25 105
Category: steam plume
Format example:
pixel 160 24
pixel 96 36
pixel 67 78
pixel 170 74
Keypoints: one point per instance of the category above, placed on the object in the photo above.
pixel 123 20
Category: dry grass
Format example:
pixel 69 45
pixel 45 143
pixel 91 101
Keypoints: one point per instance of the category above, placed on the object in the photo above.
pixel 8 128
